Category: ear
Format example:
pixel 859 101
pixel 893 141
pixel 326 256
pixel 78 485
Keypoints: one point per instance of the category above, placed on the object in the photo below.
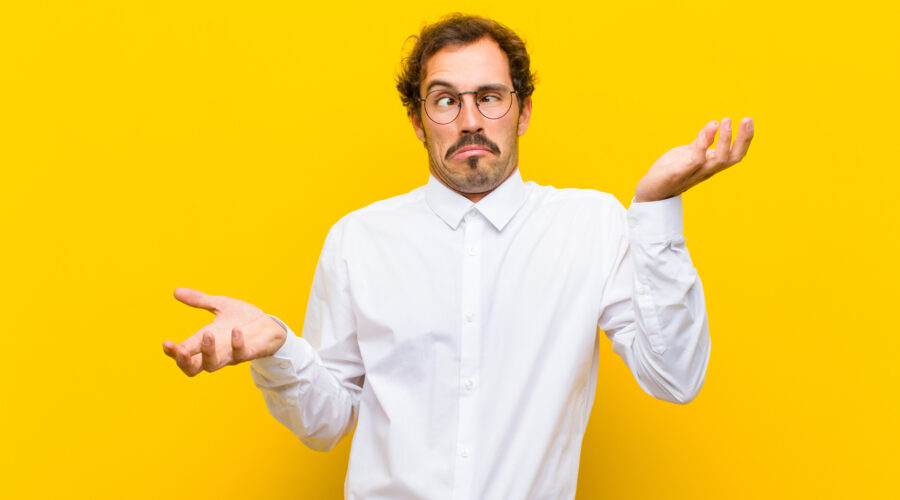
pixel 417 125
pixel 525 116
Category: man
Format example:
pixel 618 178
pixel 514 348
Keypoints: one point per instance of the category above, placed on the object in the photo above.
pixel 455 326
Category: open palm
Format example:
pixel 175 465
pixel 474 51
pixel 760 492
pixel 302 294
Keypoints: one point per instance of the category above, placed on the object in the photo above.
pixel 683 167
pixel 240 332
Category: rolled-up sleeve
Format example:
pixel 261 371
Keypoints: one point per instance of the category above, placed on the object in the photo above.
pixel 312 384
pixel 653 308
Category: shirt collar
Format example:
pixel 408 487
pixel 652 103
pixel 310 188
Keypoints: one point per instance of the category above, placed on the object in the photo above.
pixel 498 207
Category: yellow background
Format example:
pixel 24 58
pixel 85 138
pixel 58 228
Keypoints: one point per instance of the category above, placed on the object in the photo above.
pixel 149 145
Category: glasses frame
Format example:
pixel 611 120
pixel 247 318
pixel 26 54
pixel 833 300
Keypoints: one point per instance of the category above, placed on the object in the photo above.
pixel 460 103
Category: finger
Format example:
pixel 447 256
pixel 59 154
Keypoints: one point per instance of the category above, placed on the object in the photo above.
pixel 190 365
pixel 702 142
pixel 210 356
pixel 198 299
pixel 723 145
pixel 239 349
pixel 169 349
pixel 742 142
pixel 258 338
pixel 192 343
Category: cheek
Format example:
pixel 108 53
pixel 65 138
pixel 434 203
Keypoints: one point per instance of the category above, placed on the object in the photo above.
pixel 439 140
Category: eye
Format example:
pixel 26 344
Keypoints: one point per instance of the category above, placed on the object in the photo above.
pixel 445 101
pixel 490 97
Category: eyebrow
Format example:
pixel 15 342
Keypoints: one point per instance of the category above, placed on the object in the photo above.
pixel 442 83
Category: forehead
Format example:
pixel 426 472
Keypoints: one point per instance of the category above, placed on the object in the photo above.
pixel 468 66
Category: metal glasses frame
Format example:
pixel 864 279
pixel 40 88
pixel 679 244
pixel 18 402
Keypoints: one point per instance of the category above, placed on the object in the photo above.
pixel 460 103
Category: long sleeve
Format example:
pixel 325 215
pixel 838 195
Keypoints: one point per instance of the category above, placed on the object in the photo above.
pixel 312 384
pixel 653 306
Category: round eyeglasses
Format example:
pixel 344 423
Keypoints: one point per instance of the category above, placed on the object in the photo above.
pixel 493 101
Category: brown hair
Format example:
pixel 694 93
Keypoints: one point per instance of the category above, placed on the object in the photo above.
pixel 461 29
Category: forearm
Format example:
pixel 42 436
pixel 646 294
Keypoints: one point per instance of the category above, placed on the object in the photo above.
pixel 671 344
pixel 304 395
pixel 655 311
pixel 672 331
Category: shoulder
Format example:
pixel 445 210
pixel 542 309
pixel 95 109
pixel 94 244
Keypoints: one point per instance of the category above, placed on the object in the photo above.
pixel 391 210
pixel 578 199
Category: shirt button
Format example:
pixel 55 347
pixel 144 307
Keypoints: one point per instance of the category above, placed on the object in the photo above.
pixel 471 250
pixel 470 318
pixel 464 453
pixel 283 365
pixel 469 384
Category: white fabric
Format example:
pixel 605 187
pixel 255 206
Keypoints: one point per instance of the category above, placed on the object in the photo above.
pixel 463 337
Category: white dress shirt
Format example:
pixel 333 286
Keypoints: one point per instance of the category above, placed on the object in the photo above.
pixel 461 339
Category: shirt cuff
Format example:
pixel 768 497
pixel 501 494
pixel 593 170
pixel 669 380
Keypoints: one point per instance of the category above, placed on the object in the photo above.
pixel 656 221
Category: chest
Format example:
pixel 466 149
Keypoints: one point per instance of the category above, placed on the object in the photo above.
pixel 417 284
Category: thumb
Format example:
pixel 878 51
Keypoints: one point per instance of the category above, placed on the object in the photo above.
pixel 196 298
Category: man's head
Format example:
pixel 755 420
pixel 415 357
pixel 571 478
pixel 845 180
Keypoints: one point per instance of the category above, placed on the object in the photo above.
pixel 473 153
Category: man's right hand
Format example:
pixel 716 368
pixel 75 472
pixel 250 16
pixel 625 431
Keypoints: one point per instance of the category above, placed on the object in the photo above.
pixel 240 332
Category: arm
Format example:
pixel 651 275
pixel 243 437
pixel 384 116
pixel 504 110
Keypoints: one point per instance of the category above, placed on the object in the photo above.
pixel 653 306
pixel 314 393
pixel 312 384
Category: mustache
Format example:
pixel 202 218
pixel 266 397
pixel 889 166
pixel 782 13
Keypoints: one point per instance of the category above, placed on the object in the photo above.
pixel 469 140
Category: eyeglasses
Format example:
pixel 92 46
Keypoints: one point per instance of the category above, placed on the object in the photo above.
pixel 493 101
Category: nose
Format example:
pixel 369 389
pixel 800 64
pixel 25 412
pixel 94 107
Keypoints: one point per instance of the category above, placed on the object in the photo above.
pixel 470 118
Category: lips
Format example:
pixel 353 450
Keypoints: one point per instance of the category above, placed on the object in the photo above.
pixel 471 151
pixel 472 145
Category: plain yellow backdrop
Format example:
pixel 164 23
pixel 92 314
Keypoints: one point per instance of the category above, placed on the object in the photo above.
pixel 149 145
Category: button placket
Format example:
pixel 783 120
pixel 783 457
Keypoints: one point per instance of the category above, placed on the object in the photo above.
pixel 470 346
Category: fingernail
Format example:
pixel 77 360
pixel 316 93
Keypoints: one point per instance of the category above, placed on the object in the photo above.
pixel 750 125
pixel 205 340
pixel 235 334
pixel 726 124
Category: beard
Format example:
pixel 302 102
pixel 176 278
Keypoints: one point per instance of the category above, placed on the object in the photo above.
pixel 477 174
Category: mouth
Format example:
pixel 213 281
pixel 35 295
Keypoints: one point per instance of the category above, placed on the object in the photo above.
pixel 472 145
pixel 466 152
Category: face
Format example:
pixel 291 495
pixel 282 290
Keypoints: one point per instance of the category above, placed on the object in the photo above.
pixel 473 154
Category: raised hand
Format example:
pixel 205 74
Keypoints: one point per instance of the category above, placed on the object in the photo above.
pixel 240 332
pixel 685 166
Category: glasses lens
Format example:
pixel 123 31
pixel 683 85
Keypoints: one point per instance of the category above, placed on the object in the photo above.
pixel 494 102
pixel 442 106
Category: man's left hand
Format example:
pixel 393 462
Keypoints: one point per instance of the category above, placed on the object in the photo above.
pixel 681 168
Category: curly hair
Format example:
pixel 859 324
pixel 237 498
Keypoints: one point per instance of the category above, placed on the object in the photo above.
pixel 461 29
